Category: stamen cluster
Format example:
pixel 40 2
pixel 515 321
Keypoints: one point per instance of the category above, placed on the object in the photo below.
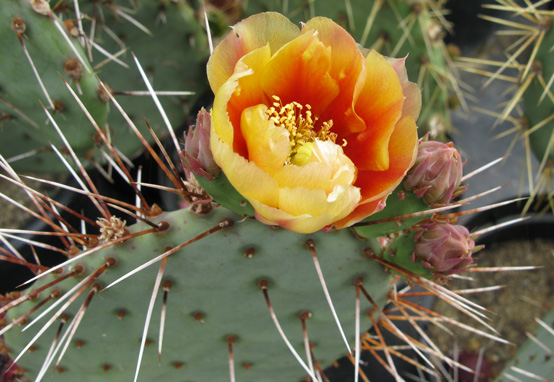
pixel 300 124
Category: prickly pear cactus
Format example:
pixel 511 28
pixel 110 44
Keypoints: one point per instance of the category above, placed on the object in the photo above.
pixel 43 44
pixel 534 360
pixel 266 274
pixel 213 295
pixel 30 35
pixel 538 102
pixel 529 67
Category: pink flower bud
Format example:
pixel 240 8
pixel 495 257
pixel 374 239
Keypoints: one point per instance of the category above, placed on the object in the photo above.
pixel 197 156
pixel 444 248
pixel 436 174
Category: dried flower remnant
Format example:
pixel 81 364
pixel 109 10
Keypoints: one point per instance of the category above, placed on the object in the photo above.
pixel 111 229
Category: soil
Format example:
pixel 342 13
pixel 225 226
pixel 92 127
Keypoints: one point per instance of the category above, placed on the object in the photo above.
pixel 526 295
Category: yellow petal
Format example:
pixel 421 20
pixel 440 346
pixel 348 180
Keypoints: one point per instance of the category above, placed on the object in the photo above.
pixel 302 201
pixel 268 145
pixel 332 156
pixel 241 91
pixel 328 168
pixel 249 91
pixel 220 116
pixel 311 176
pixel 247 178
pixel 308 203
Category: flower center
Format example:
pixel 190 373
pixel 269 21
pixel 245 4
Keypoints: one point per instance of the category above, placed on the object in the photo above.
pixel 300 124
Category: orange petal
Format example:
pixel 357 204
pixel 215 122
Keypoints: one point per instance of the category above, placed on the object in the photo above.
pixel 377 185
pixel 249 91
pixel 348 70
pixel 412 93
pixel 360 213
pixel 380 105
pixel 249 34
pixel 299 72
pixel 268 145
pixel 242 90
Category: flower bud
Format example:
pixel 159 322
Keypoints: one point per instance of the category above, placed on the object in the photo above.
pixel 444 248
pixel 436 174
pixel 197 156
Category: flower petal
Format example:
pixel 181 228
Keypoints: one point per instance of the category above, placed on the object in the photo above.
pixel 412 94
pixel 247 178
pixel 329 167
pixel 301 224
pixel 252 33
pixel 230 100
pixel 380 105
pixel 249 70
pixel 311 175
pixel 377 185
pixel 348 70
pixel 268 145
pixel 306 211
pixel 403 148
pixel 299 72
pixel 227 129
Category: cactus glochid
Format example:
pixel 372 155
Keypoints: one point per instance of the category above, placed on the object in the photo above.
pixel 303 239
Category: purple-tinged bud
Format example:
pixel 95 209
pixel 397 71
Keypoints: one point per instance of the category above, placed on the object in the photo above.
pixel 197 156
pixel 436 174
pixel 444 248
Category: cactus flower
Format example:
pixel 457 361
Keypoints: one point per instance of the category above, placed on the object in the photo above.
pixel 444 248
pixel 311 130
pixel 437 173
pixel 197 156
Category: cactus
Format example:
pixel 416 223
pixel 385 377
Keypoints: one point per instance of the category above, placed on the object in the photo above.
pixel 221 294
pixel 55 47
pixel 534 359
pixel 529 107
pixel 24 127
pixel 213 296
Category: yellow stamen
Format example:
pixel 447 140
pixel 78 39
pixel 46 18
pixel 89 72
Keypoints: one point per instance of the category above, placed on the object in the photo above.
pixel 299 123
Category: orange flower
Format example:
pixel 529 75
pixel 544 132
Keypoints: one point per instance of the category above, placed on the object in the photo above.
pixel 308 128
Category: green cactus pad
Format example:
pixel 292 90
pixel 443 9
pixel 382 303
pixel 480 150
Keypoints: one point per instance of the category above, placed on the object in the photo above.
pixel 400 253
pixel 399 203
pixel 168 41
pixel 214 295
pixel 539 108
pixel 25 126
pixel 532 358
pixel 223 192
pixel 173 54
